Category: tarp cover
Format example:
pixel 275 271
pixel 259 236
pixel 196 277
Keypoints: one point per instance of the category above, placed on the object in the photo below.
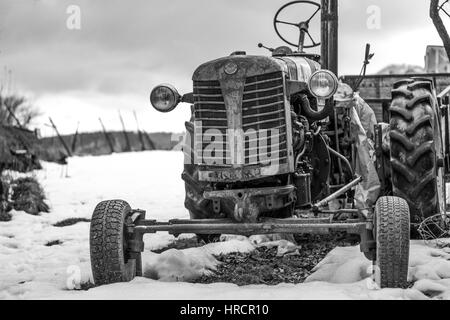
pixel 362 130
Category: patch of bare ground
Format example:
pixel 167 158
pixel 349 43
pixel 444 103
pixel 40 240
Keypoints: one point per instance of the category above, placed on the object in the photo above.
pixel 263 266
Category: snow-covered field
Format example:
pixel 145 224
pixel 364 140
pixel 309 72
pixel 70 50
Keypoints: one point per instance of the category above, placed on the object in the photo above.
pixel 151 180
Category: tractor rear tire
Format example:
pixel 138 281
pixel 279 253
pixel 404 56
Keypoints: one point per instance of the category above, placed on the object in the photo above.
pixel 414 133
pixel 392 228
pixel 110 261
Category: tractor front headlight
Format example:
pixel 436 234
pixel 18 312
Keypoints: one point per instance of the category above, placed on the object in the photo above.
pixel 323 84
pixel 164 98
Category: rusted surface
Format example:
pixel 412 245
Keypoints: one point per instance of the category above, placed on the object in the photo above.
pixel 300 68
pixel 230 74
pixel 238 174
pixel 248 202
pixel 265 227
pixel 247 66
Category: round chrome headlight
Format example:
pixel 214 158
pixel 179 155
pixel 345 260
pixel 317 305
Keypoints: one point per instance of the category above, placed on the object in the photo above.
pixel 164 98
pixel 323 84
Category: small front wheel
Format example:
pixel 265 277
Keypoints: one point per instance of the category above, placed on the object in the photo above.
pixel 110 260
pixel 392 240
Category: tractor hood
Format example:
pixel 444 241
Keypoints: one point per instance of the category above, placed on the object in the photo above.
pixel 242 66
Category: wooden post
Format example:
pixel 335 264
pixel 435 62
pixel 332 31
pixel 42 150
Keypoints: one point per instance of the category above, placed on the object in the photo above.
pixel 141 137
pixel 324 34
pixel 60 138
pixel 334 28
pixel 75 138
pixel 330 28
pixel 150 142
pixel 107 137
pixel 125 134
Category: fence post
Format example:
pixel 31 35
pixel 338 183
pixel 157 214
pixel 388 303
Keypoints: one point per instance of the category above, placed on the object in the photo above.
pixel 108 138
pixel 60 138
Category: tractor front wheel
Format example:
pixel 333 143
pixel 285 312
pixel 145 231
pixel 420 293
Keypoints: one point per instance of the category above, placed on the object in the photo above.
pixel 392 241
pixel 110 259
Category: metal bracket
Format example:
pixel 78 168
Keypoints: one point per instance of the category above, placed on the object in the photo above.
pixel 368 244
pixel 135 242
pixel 216 206
pixel 270 199
pixel 379 163
pixel 245 208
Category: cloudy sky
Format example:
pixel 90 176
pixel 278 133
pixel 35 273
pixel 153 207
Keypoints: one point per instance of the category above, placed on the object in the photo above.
pixel 124 48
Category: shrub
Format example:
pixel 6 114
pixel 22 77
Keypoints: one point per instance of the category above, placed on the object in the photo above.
pixel 5 216
pixel 28 196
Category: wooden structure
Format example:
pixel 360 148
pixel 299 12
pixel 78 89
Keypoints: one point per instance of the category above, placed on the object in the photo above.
pixel 376 89
pixel 436 60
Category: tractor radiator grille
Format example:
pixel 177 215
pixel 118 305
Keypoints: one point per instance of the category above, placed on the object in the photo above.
pixel 209 109
pixel 262 112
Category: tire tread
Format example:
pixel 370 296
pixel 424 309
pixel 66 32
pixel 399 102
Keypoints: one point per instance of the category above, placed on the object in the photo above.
pixel 106 242
pixel 392 236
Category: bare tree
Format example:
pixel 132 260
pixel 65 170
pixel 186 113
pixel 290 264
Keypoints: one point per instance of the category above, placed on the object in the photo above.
pixel 16 110
pixel 435 10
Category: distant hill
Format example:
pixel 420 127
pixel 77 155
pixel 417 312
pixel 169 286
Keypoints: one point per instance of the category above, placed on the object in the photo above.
pixel 401 69
pixel 95 143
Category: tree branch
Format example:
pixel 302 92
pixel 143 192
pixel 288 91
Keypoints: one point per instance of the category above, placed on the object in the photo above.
pixel 440 27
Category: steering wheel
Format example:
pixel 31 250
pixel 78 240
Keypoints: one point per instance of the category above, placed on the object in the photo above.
pixel 302 26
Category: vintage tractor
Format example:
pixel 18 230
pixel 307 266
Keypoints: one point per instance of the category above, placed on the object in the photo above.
pixel 267 151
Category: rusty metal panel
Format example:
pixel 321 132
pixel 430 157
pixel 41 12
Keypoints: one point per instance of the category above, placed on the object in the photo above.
pixel 247 66
pixel 300 68
pixel 271 226
pixel 229 175
pixel 289 138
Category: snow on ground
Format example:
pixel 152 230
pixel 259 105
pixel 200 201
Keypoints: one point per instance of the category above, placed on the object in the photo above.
pixel 29 269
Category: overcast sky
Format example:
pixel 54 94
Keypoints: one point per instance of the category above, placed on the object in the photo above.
pixel 124 48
